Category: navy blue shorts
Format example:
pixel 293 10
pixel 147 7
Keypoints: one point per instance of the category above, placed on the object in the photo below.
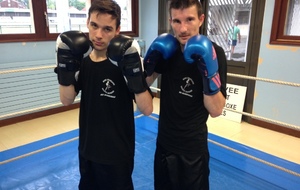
pixel 232 42
pixel 178 172
pixel 105 177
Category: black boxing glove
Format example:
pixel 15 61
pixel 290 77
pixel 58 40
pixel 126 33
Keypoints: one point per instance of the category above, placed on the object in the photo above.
pixel 71 48
pixel 123 52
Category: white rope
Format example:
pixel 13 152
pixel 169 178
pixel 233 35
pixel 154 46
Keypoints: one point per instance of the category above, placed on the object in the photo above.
pixel 154 88
pixel 266 119
pixel 157 89
pixel 48 147
pixel 255 158
pixel 33 110
pixel 138 116
pixel 228 74
pixel 38 151
pixel 26 69
pixel 257 117
pixel 264 79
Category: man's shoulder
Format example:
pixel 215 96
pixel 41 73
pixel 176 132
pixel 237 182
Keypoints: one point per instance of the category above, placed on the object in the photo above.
pixel 219 51
pixel 217 47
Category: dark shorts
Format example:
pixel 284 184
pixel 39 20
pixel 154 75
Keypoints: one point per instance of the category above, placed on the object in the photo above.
pixel 94 176
pixel 232 42
pixel 178 172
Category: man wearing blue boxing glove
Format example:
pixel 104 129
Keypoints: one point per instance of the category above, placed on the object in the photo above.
pixel 193 86
pixel 200 50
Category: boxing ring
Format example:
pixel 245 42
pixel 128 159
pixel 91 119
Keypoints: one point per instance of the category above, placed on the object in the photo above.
pixel 52 163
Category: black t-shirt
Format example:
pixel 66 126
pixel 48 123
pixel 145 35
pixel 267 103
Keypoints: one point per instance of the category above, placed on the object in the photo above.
pixel 106 119
pixel 182 120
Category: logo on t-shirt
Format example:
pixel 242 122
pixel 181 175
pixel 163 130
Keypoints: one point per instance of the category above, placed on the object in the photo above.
pixel 186 88
pixel 108 89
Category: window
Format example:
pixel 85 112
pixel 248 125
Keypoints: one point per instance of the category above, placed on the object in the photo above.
pixel 286 23
pixel 64 15
pixel 16 18
pixel 42 20
pixel 228 24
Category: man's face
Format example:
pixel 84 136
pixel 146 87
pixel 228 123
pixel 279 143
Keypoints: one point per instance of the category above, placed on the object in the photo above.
pixel 102 28
pixel 185 23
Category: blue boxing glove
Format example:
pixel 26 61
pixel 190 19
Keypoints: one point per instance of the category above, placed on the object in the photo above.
pixel 199 49
pixel 161 49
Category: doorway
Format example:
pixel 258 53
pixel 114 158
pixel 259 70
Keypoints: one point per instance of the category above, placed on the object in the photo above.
pixel 225 21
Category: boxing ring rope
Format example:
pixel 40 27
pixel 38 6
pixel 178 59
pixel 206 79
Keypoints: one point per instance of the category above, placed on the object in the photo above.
pixel 138 116
pixel 26 69
pixel 263 79
pixel 157 89
pixel 228 74
pixel 258 117
pixel 38 151
pixel 255 158
pixel 34 110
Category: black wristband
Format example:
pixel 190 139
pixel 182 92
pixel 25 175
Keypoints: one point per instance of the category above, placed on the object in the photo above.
pixel 66 78
pixel 137 84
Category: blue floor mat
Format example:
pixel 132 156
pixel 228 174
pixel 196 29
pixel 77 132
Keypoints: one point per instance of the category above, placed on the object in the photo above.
pixel 52 164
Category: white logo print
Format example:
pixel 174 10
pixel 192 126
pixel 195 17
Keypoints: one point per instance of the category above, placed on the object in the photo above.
pixel 108 89
pixel 186 88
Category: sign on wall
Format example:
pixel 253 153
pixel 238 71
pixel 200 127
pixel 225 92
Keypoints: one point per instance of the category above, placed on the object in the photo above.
pixel 234 101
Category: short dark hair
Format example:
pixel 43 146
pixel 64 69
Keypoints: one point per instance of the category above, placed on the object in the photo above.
pixel 183 4
pixel 110 7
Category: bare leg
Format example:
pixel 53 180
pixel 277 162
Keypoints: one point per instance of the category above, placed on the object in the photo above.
pixel 230 52
pixel 232 49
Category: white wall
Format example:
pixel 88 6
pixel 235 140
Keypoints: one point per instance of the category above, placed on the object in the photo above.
pixel 148 20
pixel 148 23
pixel 274 101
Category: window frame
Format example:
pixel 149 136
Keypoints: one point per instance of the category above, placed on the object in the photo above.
pixel 42 31
pixel 278 25
pixel 134 18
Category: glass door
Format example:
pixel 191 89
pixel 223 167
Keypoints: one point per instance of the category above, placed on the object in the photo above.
pixel 228 25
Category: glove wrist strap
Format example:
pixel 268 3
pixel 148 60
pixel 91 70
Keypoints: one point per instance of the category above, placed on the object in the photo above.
pixel 66 78
pixel 211 85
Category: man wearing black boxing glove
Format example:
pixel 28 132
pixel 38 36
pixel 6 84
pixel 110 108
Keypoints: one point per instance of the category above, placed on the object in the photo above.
pixel 106 119
pixel 123 52
pixel 71 48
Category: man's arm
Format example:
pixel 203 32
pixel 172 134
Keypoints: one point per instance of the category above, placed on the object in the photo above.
pixel 123 52
pixel 200 49
pixel 144 102
pixel 67 94
pixel 71 48
pixel 150 79
pixel 214 104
